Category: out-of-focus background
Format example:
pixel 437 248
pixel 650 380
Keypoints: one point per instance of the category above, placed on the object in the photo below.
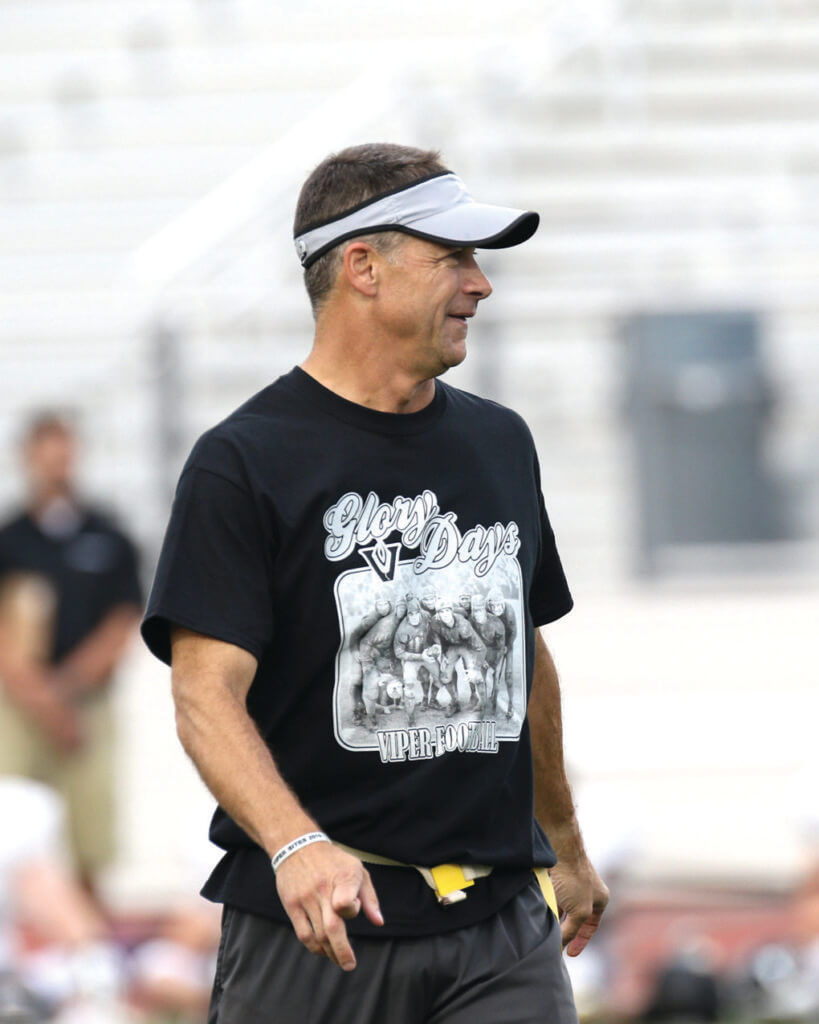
pixel 660 334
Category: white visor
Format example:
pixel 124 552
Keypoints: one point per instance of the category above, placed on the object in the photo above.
pixel 438 209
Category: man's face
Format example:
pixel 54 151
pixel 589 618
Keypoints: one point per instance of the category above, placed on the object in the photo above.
pixel 427 295
pixel 49 460
pixel 447 616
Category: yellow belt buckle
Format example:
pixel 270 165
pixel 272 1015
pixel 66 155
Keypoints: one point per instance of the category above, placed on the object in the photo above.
pixel 450 882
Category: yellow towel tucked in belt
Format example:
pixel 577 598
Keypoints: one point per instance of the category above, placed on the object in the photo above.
pixel 548 890
pixel 448 881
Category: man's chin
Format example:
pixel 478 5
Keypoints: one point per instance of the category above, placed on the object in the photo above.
pixel 449 355
pixel 454 353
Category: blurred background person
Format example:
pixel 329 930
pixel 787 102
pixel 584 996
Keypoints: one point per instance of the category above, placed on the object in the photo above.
pixel 55 949
pixel 69 600
pixel 172 972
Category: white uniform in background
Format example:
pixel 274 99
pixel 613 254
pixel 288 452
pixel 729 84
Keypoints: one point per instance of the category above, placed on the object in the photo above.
pixel 33 830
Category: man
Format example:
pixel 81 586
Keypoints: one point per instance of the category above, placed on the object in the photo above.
pixel 492 632
pixel 69 603
pixel 41 900
pixel 417 656
pixel 357 469
pixel 459 643
pixel 363 650
pixel 499 606
pixel 377 660
pixel 429 601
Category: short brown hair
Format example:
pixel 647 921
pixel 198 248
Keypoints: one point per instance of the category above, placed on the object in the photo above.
pixel 47 422
pixel 346 179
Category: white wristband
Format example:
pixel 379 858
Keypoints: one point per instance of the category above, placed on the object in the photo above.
pixel 297 844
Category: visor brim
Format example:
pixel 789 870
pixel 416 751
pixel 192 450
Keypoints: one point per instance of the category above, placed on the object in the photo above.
pixel 439 209
pixel 476 224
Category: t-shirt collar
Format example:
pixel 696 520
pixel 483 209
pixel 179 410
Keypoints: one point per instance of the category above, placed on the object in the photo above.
pixel 362 416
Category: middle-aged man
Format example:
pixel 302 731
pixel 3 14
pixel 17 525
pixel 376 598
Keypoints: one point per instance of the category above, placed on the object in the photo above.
pixel 403 842
pixel 70 601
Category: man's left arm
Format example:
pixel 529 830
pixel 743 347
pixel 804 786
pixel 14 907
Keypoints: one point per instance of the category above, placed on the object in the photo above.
pixel 581 894
pixel 90 664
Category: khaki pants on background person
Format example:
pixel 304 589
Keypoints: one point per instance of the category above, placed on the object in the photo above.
pixel 84 777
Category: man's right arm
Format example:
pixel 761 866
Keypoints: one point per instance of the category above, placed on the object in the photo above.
pixel 26 681
pixel 319 885
pixel 34 694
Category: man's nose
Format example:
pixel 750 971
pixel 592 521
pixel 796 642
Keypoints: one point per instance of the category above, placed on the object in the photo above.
pixel 477 282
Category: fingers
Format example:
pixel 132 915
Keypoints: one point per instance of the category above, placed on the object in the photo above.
pixel 576 945
pixel 335 942
pixel 322 932
pixel 576 936
pixel 583 896
pixel 369 901
pixel 571 924
pixel 304 931
pixel 65 733
pixel 345 901
pixel 321 887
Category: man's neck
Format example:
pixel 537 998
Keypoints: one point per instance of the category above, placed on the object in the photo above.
pixel 361 368
pixel 56 513
pixel 392 394
pixel 44 497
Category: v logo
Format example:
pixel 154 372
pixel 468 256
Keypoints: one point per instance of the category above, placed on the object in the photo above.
pixel 382 559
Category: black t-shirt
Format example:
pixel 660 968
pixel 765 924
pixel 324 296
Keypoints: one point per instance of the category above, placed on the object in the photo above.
pixel 330 540
pixel 90 568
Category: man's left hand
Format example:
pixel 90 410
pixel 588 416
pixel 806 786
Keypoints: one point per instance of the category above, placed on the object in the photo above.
pixel 581 897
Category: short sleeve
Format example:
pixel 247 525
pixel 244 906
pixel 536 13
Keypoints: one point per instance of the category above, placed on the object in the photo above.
pixel 549 596
pixel 212 575
pixel 6 544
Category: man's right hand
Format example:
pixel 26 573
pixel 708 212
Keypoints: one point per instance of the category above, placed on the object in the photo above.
pixel 320 887
pixel 57 720
pixel 38 697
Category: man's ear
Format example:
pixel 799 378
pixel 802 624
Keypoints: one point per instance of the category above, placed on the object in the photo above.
pixel 362 267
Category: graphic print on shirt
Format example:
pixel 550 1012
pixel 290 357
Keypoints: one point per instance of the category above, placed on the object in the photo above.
pixel 431 658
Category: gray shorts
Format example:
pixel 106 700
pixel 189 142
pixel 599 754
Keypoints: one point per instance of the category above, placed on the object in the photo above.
pixel 506 970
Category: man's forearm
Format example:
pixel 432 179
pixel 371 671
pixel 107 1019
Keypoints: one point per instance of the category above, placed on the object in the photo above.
pixel 238 768
pixel 581 894
pixel 554 805
pixel 320 885
pixel 221 739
